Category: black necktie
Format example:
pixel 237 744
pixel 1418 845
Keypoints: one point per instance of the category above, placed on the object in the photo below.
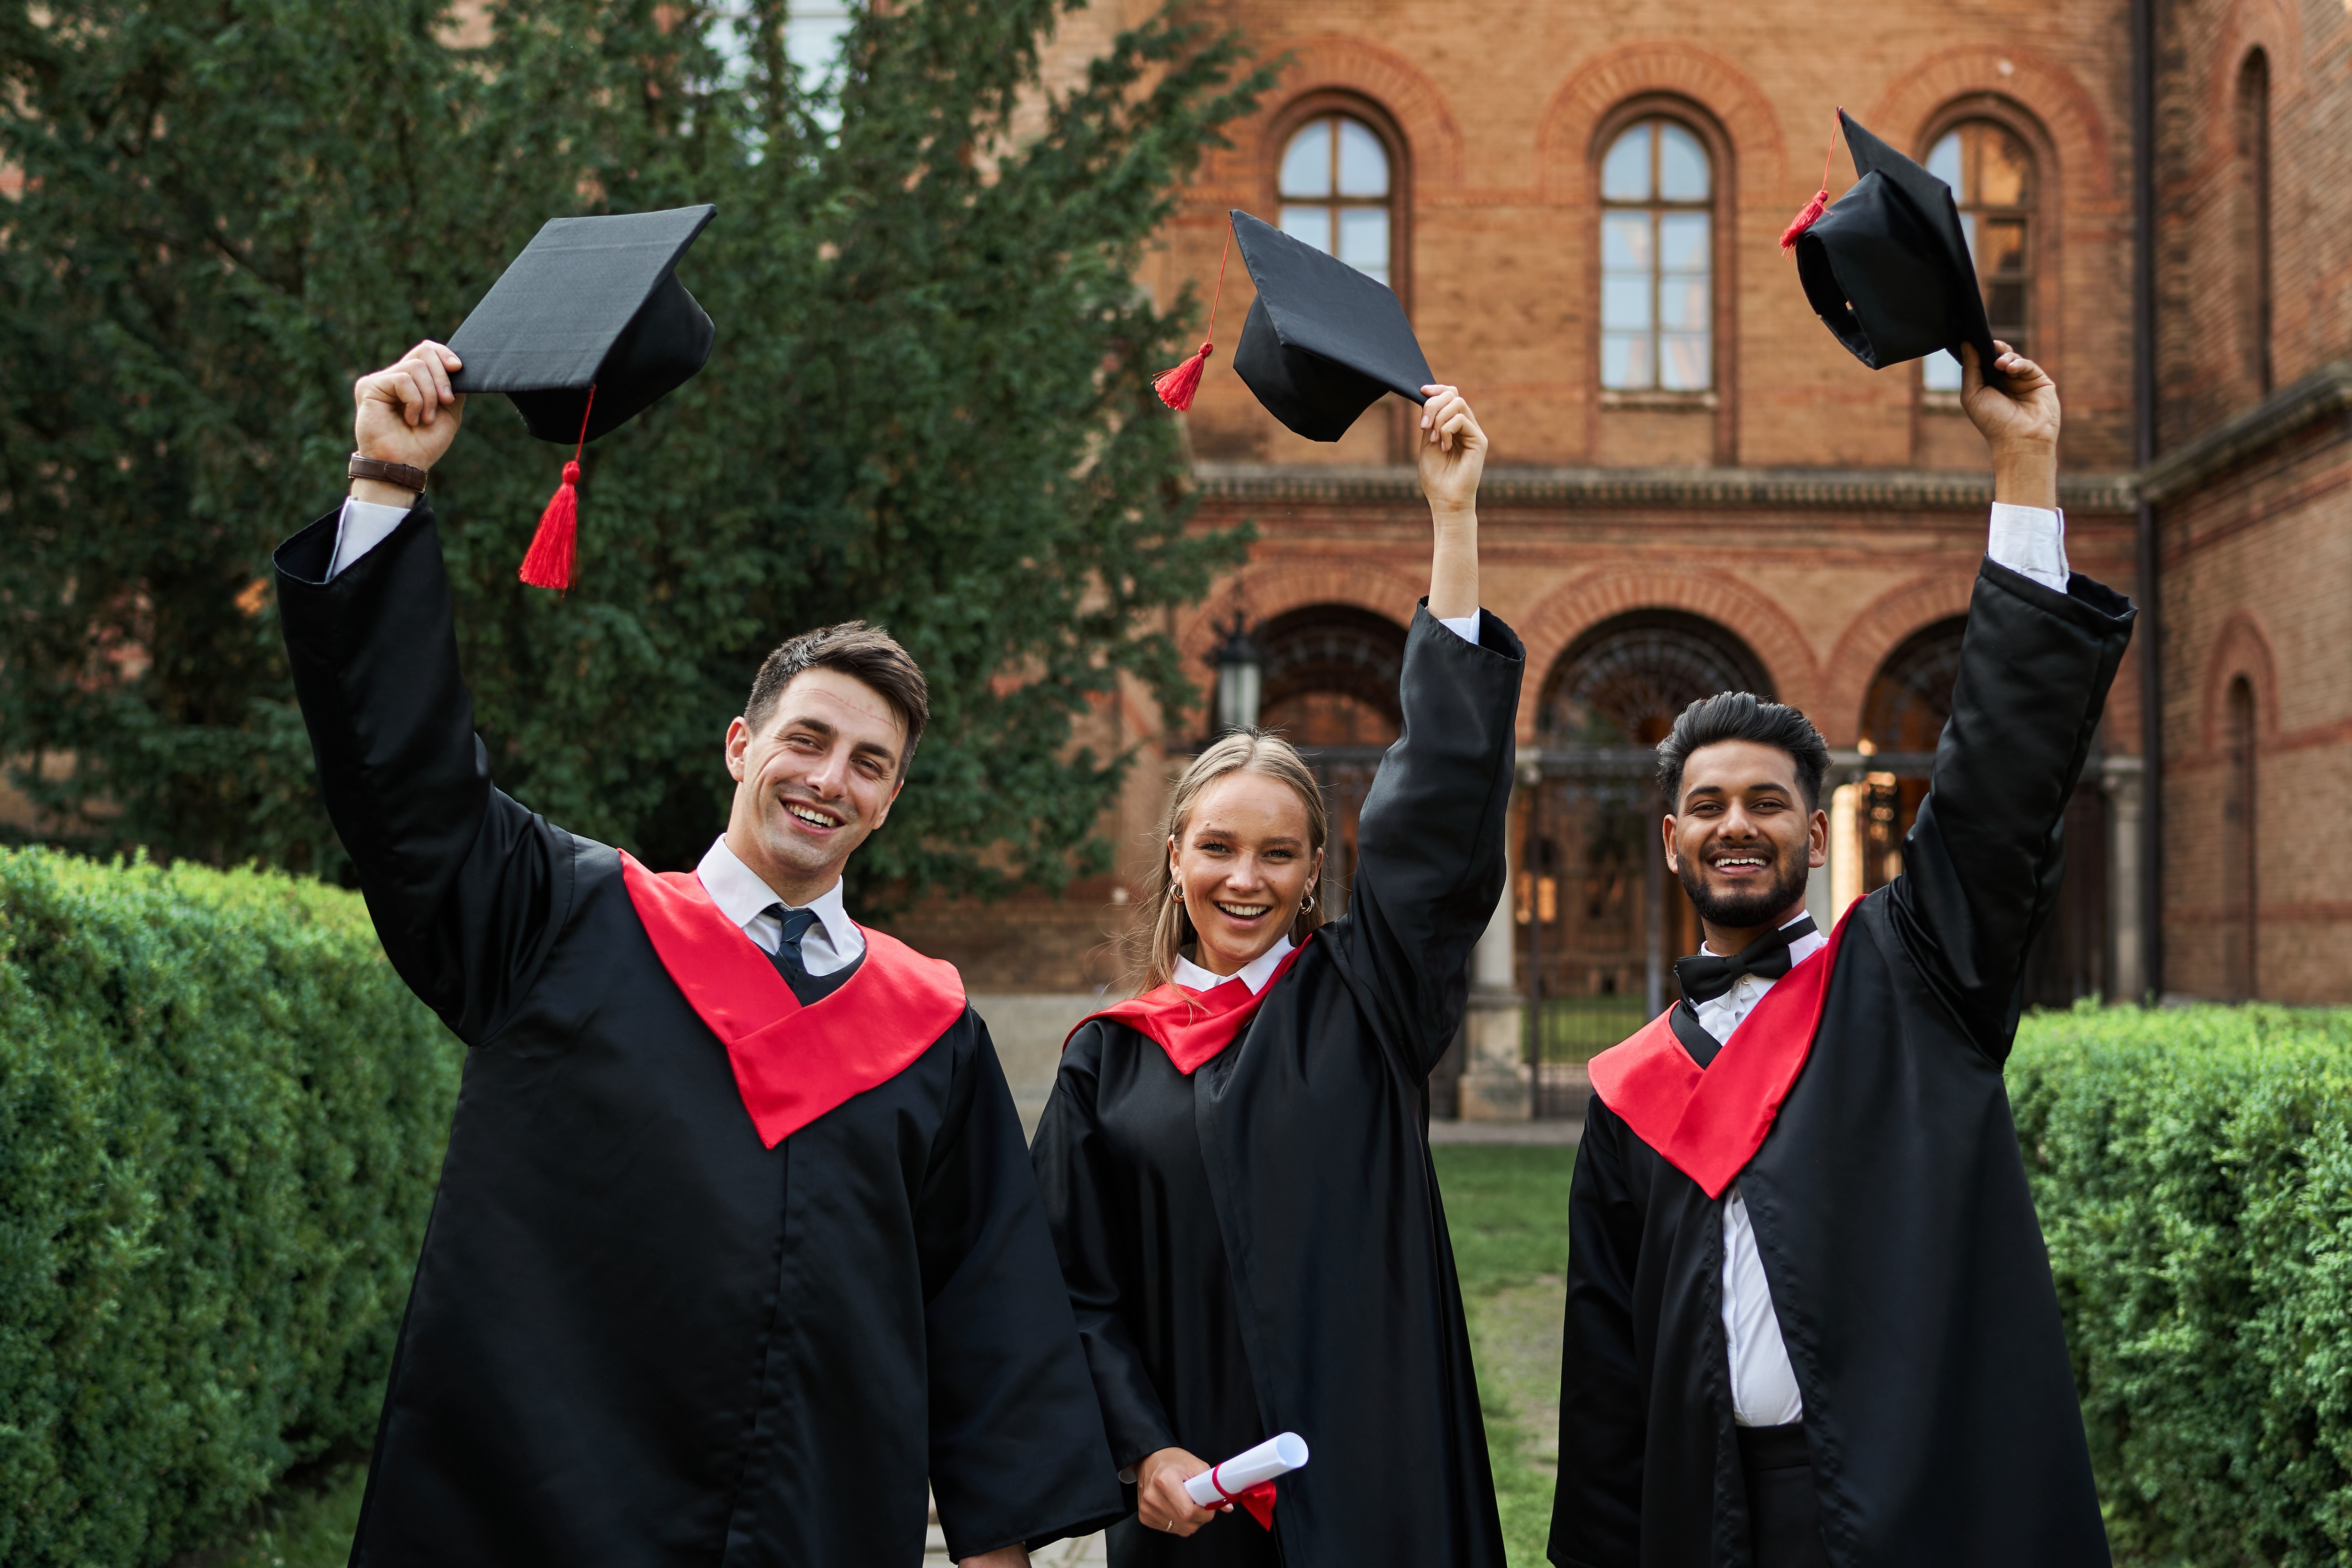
pixel 787 957
pixel 1704 976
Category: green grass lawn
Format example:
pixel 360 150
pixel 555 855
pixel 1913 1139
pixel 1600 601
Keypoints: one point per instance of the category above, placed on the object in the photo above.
pixel 1507 1208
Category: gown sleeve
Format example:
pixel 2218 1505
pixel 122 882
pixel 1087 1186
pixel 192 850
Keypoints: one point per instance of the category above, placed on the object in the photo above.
pixel 1077 1175
pixel 467 890
pixel 1017 1451
pixel 1430 859
pixel 1983 862
pixel 1596 1508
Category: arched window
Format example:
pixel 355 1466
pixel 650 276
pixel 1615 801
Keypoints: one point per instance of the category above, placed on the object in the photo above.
pixel 2253 215
pixel 2237 883
pixel 1339 193
pixel 1657 246
pixel 1625 682
pixel 1991 171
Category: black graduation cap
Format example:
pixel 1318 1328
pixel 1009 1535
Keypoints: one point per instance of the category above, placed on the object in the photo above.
pixel 1323 341
pixel 1888 266
pixel 591 302
pixel 584 331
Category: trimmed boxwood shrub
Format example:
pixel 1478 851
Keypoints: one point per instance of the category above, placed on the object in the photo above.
pixel 2193 1172
pixel 221 1122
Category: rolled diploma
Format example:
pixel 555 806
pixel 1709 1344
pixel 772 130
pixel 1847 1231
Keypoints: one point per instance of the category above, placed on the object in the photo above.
pixel 1274 1456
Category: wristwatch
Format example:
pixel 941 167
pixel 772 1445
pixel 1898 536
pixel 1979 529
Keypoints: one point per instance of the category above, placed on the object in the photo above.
pixel 406 475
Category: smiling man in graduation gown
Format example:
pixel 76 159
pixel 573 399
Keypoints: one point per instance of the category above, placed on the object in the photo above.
pixel 737 1243
pixel 1810 1318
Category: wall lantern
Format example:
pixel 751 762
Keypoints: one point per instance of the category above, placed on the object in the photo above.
pixel 1241 673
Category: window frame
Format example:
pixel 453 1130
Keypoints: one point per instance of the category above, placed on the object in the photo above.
pixel 2042 259
pixel 1301 112
pixel 1723 275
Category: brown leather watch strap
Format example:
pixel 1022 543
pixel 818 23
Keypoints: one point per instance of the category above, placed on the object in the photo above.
pixel 406 475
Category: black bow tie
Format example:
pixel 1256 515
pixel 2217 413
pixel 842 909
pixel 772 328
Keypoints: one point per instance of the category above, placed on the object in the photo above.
pixel 1704 976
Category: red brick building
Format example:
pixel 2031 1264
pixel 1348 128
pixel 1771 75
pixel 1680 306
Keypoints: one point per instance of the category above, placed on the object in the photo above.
pixel 1694 486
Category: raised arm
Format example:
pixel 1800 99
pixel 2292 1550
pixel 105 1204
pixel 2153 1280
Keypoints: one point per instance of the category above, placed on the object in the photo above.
pixel 1983 862
pixel 1430 859
pixel 466 887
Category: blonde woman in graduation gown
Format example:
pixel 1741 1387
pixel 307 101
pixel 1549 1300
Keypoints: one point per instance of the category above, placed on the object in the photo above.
pixel 1234 1163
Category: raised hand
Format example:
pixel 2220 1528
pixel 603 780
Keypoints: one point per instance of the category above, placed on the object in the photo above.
pixel 2019 425
pixel 1453 452
pixel 407 413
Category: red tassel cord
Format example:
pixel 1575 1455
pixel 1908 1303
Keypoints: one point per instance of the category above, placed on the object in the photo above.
pixel 1177 385
pixel 553 558
pixel 1814 209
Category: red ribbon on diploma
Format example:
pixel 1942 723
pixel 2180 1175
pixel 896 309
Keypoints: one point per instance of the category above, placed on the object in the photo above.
pixel 1258 1499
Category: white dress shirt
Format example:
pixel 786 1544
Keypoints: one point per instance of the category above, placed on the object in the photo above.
pixel 1763 1384
pixel 1254 974
pixel 833 942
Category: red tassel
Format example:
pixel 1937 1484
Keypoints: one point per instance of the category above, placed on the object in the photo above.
pixel 1805 219
pixel 554 554
pixel 553 558
pixel 1814 209
pixel 1177 385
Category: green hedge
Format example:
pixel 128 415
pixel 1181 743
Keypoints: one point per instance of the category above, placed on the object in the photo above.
pixel 2193 1171
pixel 221 1120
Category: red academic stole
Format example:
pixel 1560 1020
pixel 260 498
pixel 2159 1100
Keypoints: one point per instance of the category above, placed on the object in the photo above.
pixel 1707 1122
pixel 792 1064
pixel 1193 1027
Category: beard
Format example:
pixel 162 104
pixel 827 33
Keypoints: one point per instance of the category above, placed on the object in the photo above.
pixel 1751 907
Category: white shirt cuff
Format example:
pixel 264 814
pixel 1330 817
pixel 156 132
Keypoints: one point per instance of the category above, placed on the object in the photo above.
pixel 2029 541
pixel 1463 626
pixel 363 525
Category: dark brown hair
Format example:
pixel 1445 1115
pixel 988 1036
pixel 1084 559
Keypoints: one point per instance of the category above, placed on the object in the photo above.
pixel 1743 716
pixel 861 652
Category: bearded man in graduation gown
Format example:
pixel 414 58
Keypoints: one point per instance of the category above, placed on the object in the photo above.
pixel 737 1242
pixel 1810 1318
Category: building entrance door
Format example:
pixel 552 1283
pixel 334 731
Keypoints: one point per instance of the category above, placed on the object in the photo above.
pixel 1599 919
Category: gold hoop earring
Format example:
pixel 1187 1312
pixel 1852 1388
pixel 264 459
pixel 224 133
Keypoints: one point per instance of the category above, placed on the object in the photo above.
pixel 1308 903
pixel 1177 893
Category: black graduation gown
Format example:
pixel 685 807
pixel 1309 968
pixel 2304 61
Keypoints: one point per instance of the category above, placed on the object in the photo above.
pixel 1889 1198
pixel 638 1336
pixel 1259 1248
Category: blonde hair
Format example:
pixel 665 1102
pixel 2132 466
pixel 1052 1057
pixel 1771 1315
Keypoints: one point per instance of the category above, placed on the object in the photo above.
pixel 1154 945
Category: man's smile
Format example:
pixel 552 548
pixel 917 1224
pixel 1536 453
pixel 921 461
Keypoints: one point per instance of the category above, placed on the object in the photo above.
pixel 816 818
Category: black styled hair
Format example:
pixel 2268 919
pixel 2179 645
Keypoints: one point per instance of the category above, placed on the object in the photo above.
pixel 865 653
pixel 1743 716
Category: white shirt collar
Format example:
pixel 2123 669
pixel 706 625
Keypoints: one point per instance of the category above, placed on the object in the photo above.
pixel 744 898
pixel 1254 974
pixel 1799 949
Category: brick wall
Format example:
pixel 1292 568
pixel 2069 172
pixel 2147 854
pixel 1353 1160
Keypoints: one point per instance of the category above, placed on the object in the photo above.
pixel 1496 124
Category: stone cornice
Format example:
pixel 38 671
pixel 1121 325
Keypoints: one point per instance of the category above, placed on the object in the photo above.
pixel 2325 391
pixel 1823 490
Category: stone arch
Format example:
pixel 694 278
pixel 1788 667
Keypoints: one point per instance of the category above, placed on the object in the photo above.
pixel 1274 588
pixel 2046 92
pixel 1360 68
pixel 1561 617
pixel 2242 648
pixel 1877 632
pixel 1565 131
